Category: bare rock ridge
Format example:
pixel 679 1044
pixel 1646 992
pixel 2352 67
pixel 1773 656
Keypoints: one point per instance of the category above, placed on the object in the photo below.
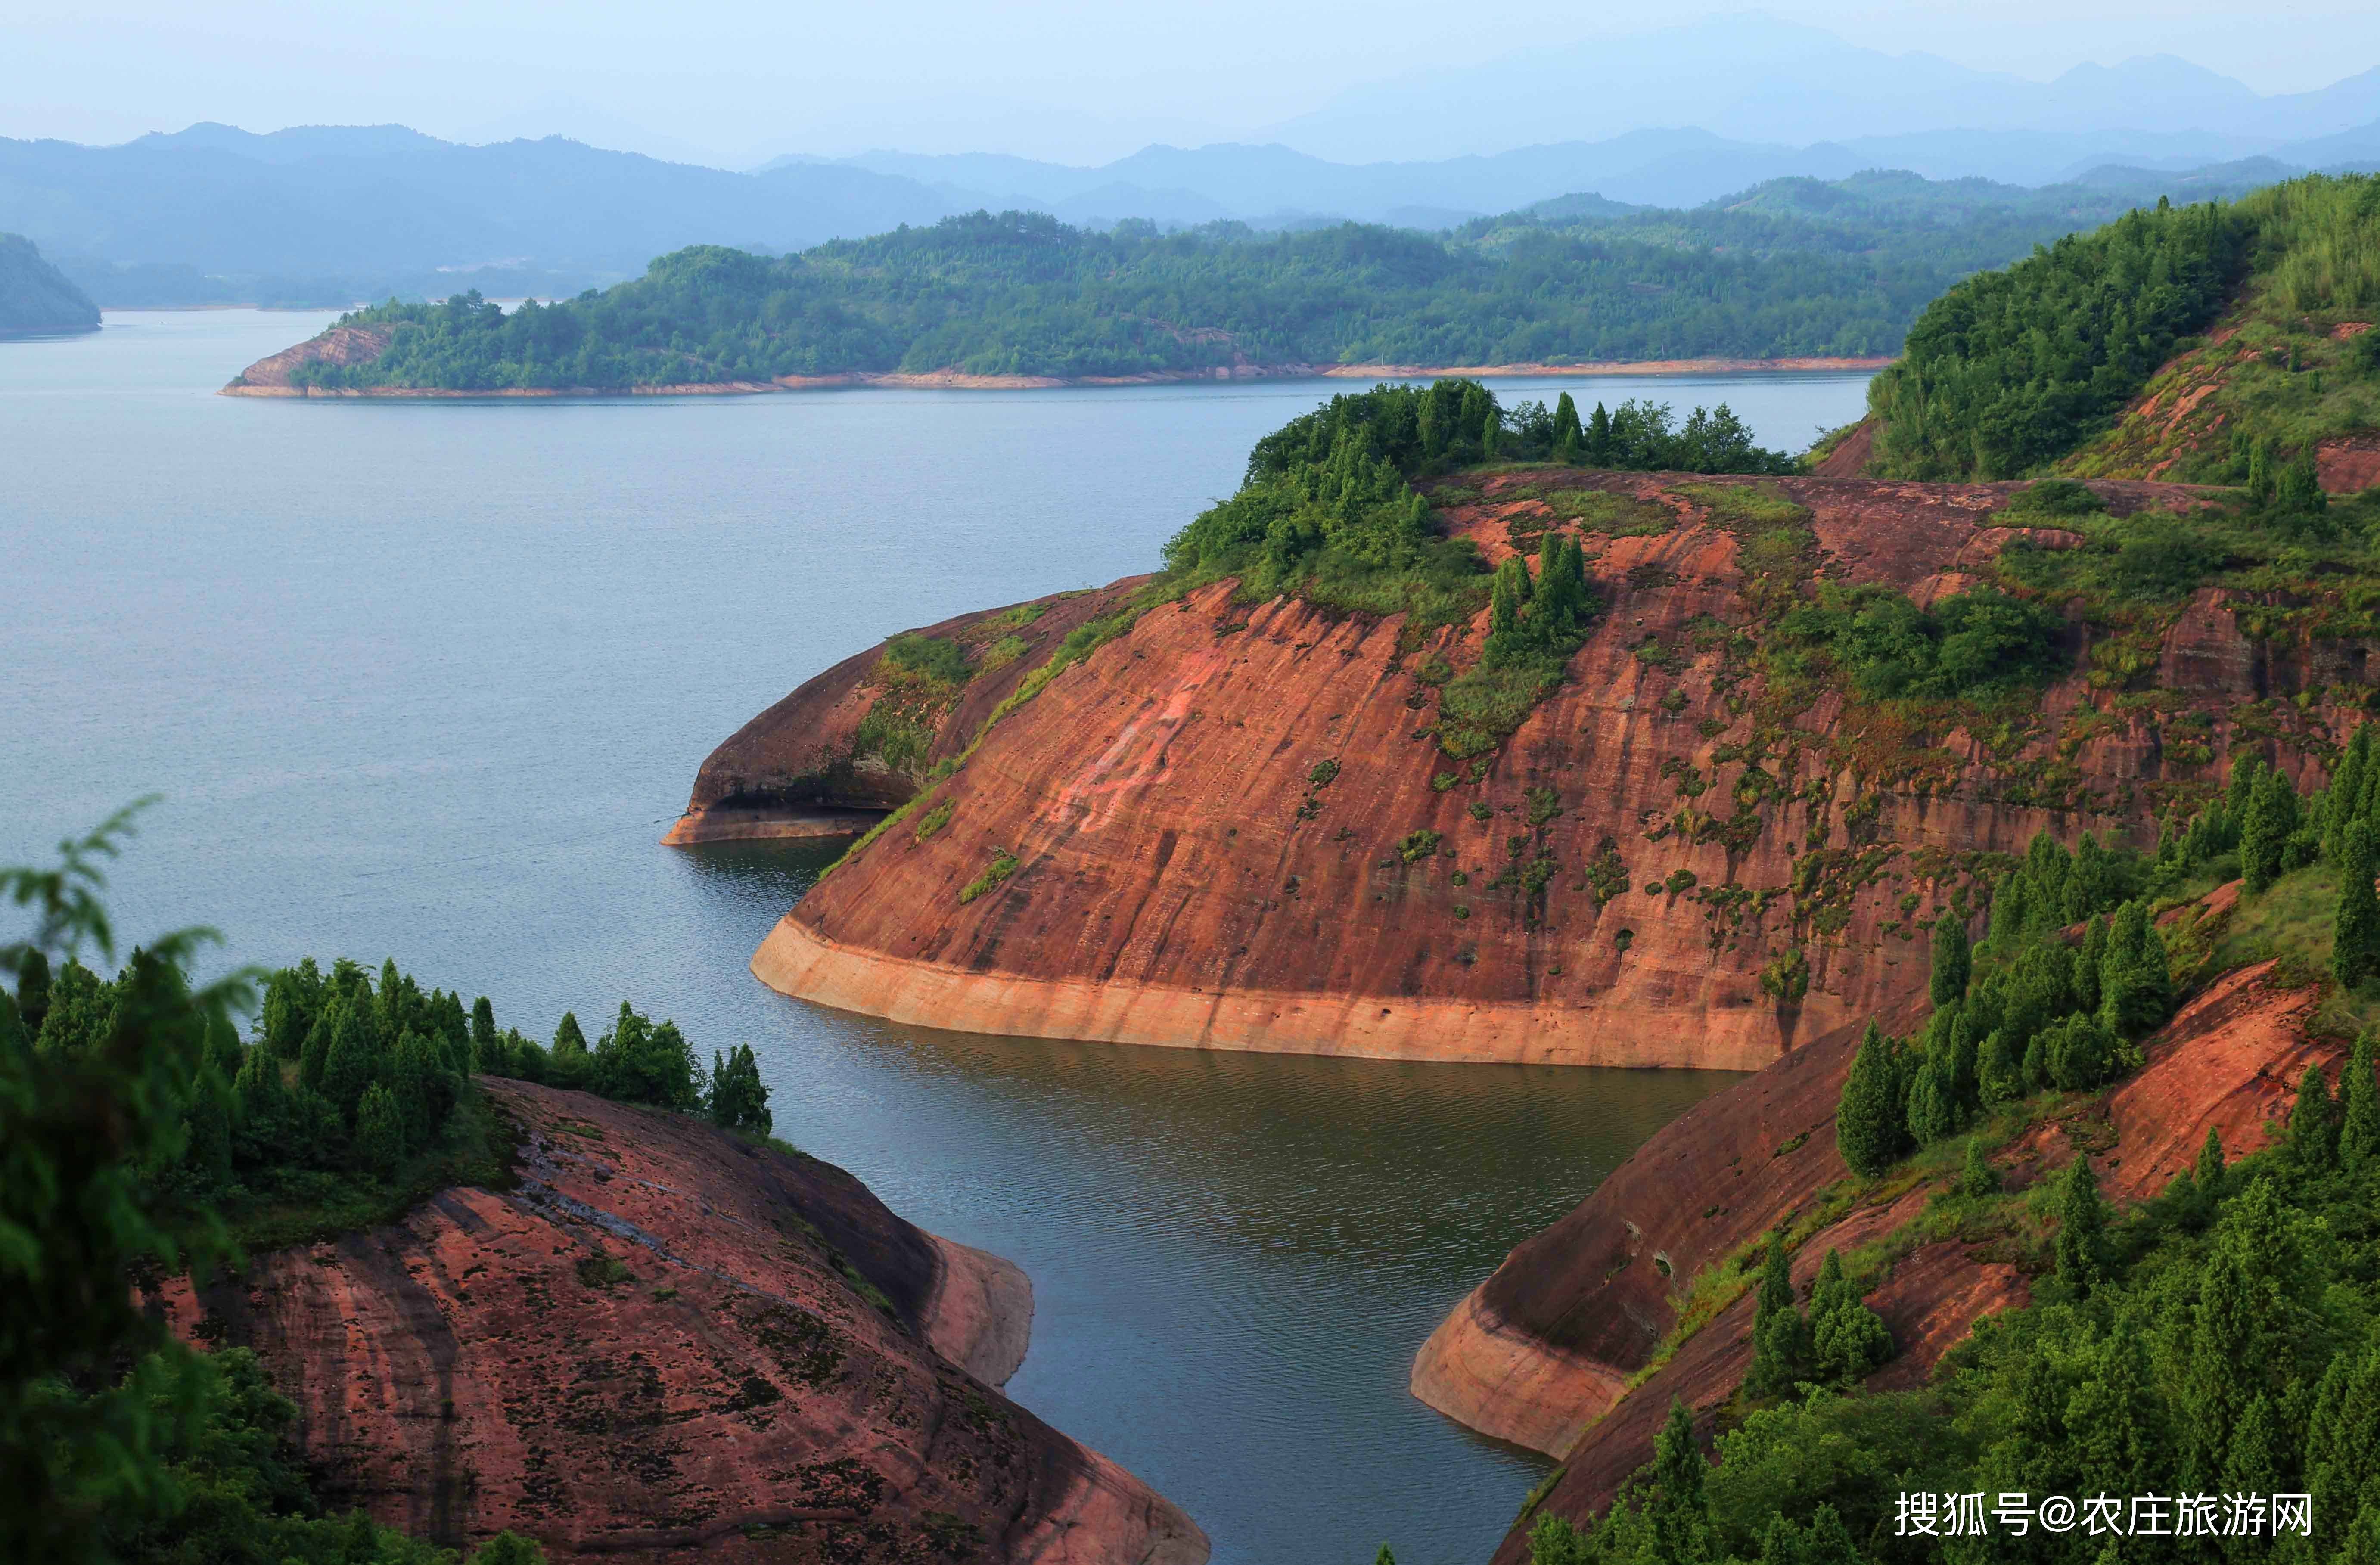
pixel 666 1343
pixel 1557 1350
pixel 1233 825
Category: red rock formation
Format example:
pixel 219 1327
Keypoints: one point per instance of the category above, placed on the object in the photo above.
pixel 1180 876
pixel 665 1344
pixel 339 347
pixel 1543 1352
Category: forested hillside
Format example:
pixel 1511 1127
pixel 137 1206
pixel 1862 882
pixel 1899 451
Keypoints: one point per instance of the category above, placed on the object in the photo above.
pixel 1792 269
pixel 2213 342
pixel 34 296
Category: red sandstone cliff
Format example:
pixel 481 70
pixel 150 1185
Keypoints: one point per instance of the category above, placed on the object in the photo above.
pixel 1543 1352
pixel 665 1344
pixel 1181 878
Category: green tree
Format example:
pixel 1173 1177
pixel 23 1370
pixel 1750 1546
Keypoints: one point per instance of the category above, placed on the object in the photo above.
pixel 2355 940
pixel 485 1050
pixel 355 1057
pixel 2348 784
pixel 2209 1171
pixel 738 1100
pixel 2299 490
pixel 2262 482
pixel 2314 1124
pixel 1568 434
pixel 379 1131
pixel 2082 1228
pixel 1952 960
pixel 2264 835
pixel 1998 1074
pixel 1870 1128
pixel 1780 1336
pixel 2358 1101
pixel 1977 1177
pixel 2136 976
pixel 1848 1341
pixel 1676 1509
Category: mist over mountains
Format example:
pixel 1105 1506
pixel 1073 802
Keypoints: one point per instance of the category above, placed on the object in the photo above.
pixel 330 214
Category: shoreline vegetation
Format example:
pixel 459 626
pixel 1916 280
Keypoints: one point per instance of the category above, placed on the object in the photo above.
pixel 1794 273
pixel 955 380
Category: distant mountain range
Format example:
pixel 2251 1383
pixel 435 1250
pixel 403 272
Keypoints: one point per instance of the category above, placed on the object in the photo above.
pixel 332 214
pixel 1758 79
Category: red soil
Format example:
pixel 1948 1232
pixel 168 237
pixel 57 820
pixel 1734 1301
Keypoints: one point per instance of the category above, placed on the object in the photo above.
pixel 666 1344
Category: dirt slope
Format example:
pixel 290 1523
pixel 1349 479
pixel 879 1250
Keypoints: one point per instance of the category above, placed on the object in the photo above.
pixel 1180 876
pixel 665 1343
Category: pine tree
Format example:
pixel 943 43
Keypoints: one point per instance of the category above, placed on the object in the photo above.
pixel 2090 957
pixel 1998 1075
pixel 1507 596
pixel 1780 1336
pixel 1599 438
pixel 2359 1100
pixel 1952 960
pixel 1870 1129
pixel 1932 1114
pixel 2355 936
pixel 379 1131
pixel 2051 868
pixel 2136 976
pixel 2209 1172
pixel 738 1100
pixel 1676 1508
pixel 317 1053
pixel 1568 435
pixel 2262 483
pixel 1976 1176
pixel 2264 835
pixel 33 991
pixel 2299 490
pixel 2347 785
pixel 1960 1072
pixel 2314 1124
pixel 1848 1340
pixel 484 1050
pixel 2012 899
pixel 352 1061
pixel 2082 1227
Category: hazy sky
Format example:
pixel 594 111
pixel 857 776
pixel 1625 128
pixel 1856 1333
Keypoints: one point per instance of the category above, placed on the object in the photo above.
pixel 737 80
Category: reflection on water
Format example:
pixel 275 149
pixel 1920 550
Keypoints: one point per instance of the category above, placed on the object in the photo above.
pixel 429 681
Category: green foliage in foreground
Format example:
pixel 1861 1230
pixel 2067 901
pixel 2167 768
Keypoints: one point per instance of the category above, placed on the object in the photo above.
pixel 117 1442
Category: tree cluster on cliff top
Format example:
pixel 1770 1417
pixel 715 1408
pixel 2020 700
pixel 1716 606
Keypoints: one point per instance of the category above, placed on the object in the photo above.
pixel 2012 370
pixel 1790 268
pixel 139 1136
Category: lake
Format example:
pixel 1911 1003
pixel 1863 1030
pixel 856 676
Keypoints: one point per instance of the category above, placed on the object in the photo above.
pixel 429 679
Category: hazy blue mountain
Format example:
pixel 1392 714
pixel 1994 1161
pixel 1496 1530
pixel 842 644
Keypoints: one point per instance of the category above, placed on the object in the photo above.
pixel 1760 79
pixel 35 299
pixel 369 204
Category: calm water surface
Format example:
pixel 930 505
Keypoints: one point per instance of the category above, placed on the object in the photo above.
pixel 429 679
